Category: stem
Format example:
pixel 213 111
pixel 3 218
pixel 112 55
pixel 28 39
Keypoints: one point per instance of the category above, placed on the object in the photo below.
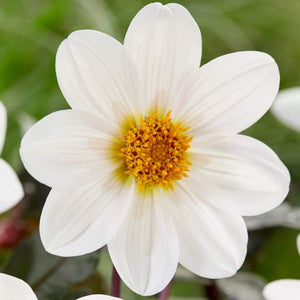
pixel 212 291
pixel 165 293
pixel 115 284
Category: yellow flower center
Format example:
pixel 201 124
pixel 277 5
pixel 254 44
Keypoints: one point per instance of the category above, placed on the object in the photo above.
pixel 155 152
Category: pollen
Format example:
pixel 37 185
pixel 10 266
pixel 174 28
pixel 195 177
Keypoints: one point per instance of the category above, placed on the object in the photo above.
pixel 155 151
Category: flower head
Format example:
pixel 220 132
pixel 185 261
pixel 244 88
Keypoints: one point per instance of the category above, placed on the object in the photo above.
pixel 283 288
pixel 149 159
pixel 155 152
pixel 11 190
pixel 12 288
pixel 286 108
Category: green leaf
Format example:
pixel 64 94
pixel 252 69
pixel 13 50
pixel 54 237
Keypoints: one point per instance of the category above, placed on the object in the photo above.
pixel 50 276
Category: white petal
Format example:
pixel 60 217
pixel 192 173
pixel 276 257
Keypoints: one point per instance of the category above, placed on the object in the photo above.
pixel 3 121
pixel 288 289
pixel 238 174
pixel 287 107
pixel 12 288
pixel 11 190
pixel 145 249
pixel 96 74
pixel 228 94
pixel 165 43
pixel 85 220
pixel 298 243
pixel 212 244
pixel 99 297
pixel 67 149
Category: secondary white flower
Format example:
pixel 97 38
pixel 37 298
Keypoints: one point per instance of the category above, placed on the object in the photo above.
pixel 286 107
pixel 11 190
pixel 12 288
pixel 167 186
pixel 283 288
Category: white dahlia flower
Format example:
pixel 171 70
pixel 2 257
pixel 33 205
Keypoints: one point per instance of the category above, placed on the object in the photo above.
pixel 12 288
pixel 11 190
pixel 286 108
pixel 288 289
pixel 149 160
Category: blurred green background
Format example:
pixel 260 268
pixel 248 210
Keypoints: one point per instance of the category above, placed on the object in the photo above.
pixel 30 32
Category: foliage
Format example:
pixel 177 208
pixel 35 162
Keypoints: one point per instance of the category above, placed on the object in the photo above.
pixel 30 33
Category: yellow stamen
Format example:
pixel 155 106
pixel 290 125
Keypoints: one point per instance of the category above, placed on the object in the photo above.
pixel 155 151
